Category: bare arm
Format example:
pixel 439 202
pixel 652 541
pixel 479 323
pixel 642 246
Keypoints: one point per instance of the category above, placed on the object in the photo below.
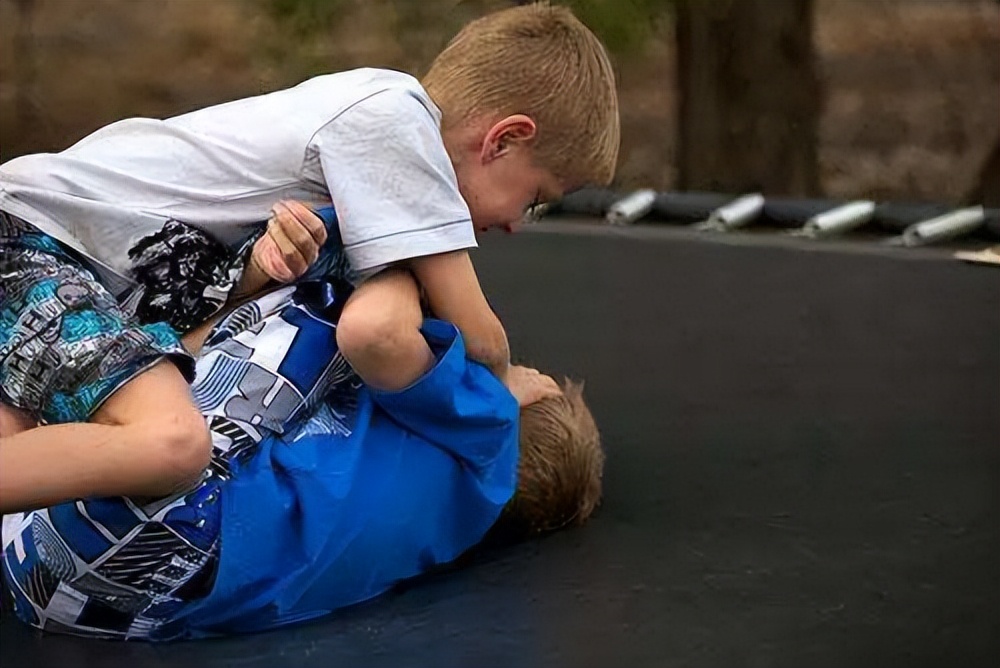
pixel 452 290
pixel 379 332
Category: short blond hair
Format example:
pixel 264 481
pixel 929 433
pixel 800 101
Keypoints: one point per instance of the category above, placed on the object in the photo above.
pixel 560 468
pixel 541 61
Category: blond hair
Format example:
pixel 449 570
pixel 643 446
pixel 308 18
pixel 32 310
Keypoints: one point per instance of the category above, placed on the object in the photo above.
pixel 541 61
pixel 560 467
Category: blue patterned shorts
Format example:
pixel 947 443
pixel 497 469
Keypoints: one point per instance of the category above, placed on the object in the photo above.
pixel 66 344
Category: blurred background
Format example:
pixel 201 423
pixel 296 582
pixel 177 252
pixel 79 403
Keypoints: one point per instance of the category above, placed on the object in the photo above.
pixel 882 99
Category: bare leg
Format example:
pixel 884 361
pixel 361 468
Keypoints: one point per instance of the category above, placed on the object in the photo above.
pixel 147 439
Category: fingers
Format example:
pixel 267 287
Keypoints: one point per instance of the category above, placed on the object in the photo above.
pixel 303 215
pixel 547 387
pixel 530 385
pixel 299 226
pixel 550 383
pixel 277 258
pixel 292 242
pixel 267 257
pixel 295 258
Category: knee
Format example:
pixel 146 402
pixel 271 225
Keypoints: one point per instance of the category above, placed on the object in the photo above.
pixel 184 446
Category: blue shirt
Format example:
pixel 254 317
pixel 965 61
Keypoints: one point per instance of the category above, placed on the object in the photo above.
pixel 321 493
pixel 314 521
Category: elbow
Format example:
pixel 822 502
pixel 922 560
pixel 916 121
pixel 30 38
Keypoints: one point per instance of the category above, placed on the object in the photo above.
pixel 387 354
pixel 363 339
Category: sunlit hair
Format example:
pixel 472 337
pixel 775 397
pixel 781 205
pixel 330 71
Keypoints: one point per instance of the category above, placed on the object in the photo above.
pixel 538 60
pixel 560 468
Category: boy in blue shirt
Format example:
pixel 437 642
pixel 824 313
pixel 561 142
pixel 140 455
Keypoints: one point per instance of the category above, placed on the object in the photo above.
pixel 322 492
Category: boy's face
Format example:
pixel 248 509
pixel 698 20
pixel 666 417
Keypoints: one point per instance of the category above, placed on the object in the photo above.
pixel 503 181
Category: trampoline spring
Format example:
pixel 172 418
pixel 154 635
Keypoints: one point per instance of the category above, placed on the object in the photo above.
pixel 632 207
pixel 941 228
pixel 736 214
pixel 838 220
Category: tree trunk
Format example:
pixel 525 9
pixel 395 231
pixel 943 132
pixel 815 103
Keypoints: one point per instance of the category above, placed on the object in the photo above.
pixel 987 190
pixel 749 96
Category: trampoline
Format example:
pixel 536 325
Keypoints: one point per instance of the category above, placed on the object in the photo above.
pixel 803 444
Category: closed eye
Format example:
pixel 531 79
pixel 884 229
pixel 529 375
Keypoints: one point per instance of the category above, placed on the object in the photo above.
pixel 535 211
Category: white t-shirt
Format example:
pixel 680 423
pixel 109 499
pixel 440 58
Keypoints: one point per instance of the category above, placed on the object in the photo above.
pixel 368 140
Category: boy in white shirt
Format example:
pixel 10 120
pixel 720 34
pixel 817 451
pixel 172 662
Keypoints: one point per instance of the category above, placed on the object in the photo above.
pixel 518 109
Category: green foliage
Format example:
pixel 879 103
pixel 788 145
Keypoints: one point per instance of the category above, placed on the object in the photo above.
pixel 623 25
pixel 305 16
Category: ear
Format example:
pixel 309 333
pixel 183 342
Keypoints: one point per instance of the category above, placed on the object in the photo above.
pixel 516 130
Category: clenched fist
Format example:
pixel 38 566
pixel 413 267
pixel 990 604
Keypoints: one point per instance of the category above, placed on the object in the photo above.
pixel 292 242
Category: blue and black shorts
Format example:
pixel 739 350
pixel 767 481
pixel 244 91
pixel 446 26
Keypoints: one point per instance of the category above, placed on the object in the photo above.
pixel 66 343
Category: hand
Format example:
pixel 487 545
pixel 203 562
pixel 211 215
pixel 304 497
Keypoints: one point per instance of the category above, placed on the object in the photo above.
pixel 292 242
pixel 529 385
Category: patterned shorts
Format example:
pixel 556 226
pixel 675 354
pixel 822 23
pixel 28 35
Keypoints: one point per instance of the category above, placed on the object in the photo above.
pixel 66 344
pixel 123 568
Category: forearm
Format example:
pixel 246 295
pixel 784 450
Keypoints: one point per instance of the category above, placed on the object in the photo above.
pixel 194 340
pixel 490 348
pixel 253 281
pixel 453 294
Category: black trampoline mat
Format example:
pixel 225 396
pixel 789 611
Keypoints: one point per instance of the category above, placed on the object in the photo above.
pixel 803 470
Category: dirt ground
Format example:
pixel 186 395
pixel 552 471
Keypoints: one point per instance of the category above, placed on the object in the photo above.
pixel 912 87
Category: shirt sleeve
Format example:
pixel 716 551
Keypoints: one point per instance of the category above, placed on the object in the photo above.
pixel 392 182
pixel 458 405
